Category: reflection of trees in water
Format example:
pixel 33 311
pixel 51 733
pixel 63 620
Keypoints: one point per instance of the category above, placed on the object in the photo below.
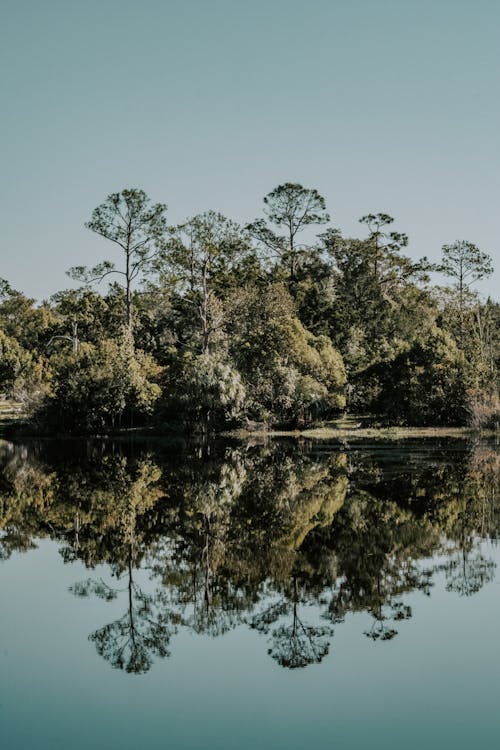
pixel 287 542
pixel 191 561
pixel 380 546
pixel 293 643
pixel 125 511
pixel 474 516
pixel 143 631
pixel 467 571
pixel 26 490
pixel 382 628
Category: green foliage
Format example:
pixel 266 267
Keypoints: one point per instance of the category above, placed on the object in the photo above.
pixel 289 208
pixel 208 391
pixel 25 377
pixel 130 221
pixel 200 256
pixel 82 310
pixel 377 300
pixel 291 375
pixel 465 263
pixel 424 385
pixel 101 386
pixel 14 361
pixel 475 327
pixel 20 319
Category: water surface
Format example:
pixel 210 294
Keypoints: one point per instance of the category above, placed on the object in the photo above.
pixel 278 595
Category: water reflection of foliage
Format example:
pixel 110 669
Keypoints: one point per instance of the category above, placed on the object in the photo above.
pixel 26 490
pixel 285 541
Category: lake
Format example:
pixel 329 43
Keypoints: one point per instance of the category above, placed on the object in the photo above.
pixel 273 594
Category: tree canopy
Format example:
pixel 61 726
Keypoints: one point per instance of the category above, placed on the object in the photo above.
pixel 208 325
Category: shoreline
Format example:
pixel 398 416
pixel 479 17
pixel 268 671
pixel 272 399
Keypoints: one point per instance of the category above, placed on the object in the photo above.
pixel 12 428
pixel 387 433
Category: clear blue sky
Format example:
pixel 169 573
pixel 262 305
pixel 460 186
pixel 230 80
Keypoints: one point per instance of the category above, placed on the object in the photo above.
pixel 382 105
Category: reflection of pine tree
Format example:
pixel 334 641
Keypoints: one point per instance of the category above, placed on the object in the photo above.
pixel 203 596
pixel 130 642
pixel 468 571
pixel 381 600
pixel 381 629
pixel 122 505
pixel 294 643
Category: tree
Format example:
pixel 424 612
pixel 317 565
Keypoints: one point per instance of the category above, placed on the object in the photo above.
pixel 208 391
pixel 14 361
pixel 291 208
pixel 375 223
pixel 360 309
pixel 81 311
pixel 465 263
pixel 289 374
pixel 23 376
pixel 98 385
pixel 389 267
pixel 201 249
pixel 474 325
pixel 425 384
pixel 21 320
pixel 379 302
pixel 130 221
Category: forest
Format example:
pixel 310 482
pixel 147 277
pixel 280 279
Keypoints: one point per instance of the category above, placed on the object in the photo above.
pixel 283 322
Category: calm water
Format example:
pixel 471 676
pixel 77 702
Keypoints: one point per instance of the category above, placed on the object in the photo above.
pixel 273 596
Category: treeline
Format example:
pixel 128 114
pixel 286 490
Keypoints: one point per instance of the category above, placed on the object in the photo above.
pixel 212 324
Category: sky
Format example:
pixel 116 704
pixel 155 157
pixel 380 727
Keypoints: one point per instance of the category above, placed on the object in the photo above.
pixel 381 105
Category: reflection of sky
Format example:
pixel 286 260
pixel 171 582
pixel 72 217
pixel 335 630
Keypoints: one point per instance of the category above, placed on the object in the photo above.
pixel 435 685
pixel 383 106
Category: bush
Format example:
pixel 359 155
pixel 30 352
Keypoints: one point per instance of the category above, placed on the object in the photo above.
pixel 425 385
pixel 484 409
pixel 102 387
pixel 207 391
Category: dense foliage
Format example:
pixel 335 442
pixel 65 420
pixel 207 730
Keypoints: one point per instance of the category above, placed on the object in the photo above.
pixel 215 325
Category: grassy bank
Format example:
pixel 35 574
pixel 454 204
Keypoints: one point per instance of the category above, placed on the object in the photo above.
pixel 357 428
pixel 11 412
pixel 386 433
